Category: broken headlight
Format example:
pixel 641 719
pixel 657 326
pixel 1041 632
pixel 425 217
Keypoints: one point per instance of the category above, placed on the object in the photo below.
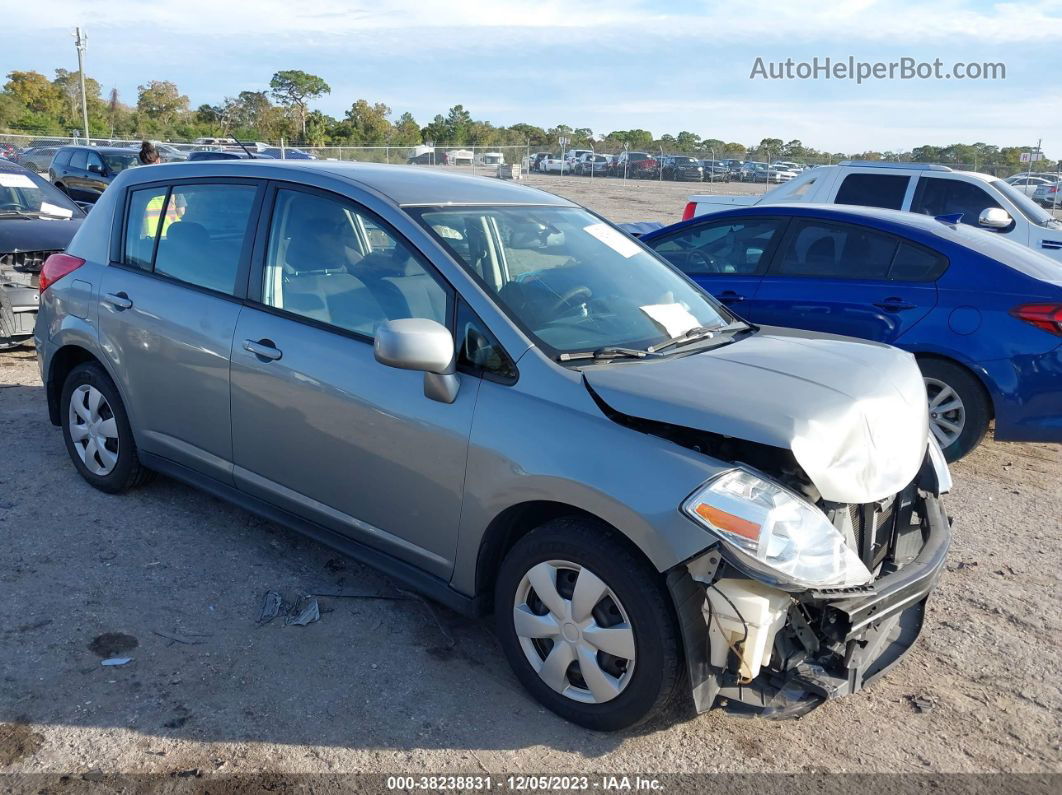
pixel 775 532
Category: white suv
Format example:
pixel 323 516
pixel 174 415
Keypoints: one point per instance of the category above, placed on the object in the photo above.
pixel 976 199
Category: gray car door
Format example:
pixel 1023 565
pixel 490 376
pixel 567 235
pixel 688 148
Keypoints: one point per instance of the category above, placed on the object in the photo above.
pixel 168 309
pixel 319 427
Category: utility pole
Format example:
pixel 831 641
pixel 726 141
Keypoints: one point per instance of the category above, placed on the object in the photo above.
pixel 80 40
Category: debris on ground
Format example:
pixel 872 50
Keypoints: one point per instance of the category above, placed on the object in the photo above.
pixel 304 611
pixel 115 661
pixel 923 702
pixel 271 603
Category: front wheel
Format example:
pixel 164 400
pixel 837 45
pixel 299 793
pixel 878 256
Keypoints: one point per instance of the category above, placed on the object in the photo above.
pixel 959 410
pixel 587 626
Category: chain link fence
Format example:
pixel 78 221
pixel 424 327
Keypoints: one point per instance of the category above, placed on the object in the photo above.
pixel 753 171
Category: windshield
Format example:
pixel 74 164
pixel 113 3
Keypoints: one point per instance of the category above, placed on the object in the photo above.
pixel 119 162
pixel 570 281
pixel 1030 209
pixel 24 192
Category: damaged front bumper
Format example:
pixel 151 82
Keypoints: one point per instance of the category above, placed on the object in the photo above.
pixel 755 649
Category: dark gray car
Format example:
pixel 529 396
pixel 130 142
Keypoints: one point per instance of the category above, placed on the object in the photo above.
pixel 500 399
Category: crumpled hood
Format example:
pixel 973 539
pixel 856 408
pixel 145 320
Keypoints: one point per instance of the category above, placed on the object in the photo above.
pixel 853 412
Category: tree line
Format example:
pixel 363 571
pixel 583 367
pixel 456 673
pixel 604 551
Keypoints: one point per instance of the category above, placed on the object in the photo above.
pixel 32 103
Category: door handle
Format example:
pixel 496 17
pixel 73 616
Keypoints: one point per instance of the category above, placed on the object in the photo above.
pixel 263 349
pixel 893 304
pixel 730 297
pixel 119 301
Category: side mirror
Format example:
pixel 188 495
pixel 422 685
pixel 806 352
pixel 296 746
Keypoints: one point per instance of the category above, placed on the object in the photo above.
pixel 994 218
pixel 416 343
pixel 95 168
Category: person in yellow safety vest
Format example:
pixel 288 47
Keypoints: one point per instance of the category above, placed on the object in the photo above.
pixel 149 155
pixel 154 211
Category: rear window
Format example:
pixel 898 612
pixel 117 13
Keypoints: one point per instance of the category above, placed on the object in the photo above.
pixel 874 190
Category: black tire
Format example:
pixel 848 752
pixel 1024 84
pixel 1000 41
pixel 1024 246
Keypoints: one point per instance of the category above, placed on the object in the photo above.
pixel 658 671
pixel 976 408
pixel 127 472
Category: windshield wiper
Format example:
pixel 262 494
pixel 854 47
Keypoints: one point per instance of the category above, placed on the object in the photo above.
pixel 607 353
pixel 21 213
pixel 696 334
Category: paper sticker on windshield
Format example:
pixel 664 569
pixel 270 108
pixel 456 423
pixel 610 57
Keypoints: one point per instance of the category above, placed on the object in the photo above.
pixel 675 319
pixel 58 212
pixel 16 181
pixel 614 239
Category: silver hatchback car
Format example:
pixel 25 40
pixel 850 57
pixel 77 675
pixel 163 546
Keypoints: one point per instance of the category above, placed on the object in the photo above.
pixel 498 398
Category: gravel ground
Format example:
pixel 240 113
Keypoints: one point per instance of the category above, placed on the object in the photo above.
pixel 390 683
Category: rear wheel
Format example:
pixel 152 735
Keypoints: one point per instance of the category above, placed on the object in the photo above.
pixel 959 410
pixel 587 626
pixel 97 433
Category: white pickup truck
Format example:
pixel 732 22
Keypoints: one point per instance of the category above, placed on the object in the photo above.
pixel 980 199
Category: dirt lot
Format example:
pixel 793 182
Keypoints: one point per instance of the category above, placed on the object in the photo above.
pixel 388 683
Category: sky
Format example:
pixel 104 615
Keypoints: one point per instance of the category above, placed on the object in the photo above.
pixel 615 65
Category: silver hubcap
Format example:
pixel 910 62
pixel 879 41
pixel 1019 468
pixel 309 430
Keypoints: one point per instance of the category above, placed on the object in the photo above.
pixel 93 430
pixel 947 415
pixel 574 631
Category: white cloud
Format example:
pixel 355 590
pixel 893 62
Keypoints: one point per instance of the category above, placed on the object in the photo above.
pixel 885 21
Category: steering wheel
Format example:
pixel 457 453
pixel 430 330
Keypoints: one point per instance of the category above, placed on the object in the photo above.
pixel 700 262
pixel 10 206
pixel 568 297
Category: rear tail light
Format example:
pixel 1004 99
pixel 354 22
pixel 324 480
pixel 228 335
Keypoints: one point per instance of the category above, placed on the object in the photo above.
pixel 690 211
pixel 1046 317
pixel 56 267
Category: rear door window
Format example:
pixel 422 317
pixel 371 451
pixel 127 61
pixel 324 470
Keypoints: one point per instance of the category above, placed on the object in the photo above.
pixel 938 196
pixel 835 251
pixel 873 190
pixel 62 158
pixel 194 233
pixel 79 160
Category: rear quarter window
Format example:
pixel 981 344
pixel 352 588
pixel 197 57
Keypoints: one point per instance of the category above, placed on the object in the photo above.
pixel 917 264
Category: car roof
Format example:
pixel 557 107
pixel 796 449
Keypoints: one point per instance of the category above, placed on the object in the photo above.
pixel 404 185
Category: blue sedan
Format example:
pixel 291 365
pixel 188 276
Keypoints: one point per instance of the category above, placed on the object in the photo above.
pixel 983 315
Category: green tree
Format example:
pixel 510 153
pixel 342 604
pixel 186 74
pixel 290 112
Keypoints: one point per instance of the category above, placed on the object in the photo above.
pixel 369 122
pixel 69 87
pixel 161 101
pixel 293 88
pixel 406 131
pixel 686 141
pixel 35 91
pixel 436 132
pixel 458 125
